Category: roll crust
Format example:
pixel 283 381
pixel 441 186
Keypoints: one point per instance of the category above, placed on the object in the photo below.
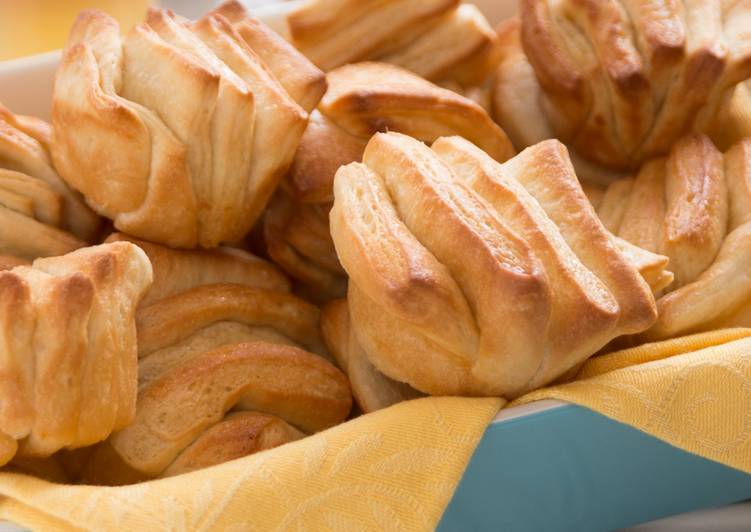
pixel 225 369
pixel 362 99
pixel 494 324
pixel 69 338
pixel 691 206
pixel 169 169
pixel 619 81
pixel 440 40
pixel 39 215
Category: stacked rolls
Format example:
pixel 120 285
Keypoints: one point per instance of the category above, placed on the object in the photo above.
pixel 225 369
pixel 362 99
pixel 39 215
pixel 693 206
pixel 68 340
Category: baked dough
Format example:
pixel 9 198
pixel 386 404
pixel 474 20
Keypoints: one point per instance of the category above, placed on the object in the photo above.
pixel 619 81
pixel 371 389
pixel 436 39
pixel 362 99
pixel 39 215
pixel 230 363
pixel 693 206
pixel 521 282
pixel 179 132
pixel 67 327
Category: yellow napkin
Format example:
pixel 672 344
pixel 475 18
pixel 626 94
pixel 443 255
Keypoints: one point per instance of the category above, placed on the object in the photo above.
pixel 397 468
pixel 393 469
pixel 692 392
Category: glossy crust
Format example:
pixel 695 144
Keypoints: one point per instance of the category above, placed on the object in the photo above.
pixel 620 81
pixel 69 338
pixel 303 81
pixel 693 207
pixel 169 169
pixel 365 98
pixel 477 308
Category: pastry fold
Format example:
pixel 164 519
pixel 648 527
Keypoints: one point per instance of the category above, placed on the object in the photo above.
pixel 230 363
pixel 619 81
pixel 179 131
pixel 440 40
pixel 694 207
pixel 39 215
pixel 68 340
pixel 362 99
pixel 521 282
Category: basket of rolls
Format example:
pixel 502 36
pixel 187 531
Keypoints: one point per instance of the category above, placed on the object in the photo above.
pixel 338 264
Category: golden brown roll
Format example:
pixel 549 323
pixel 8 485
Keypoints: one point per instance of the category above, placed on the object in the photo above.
pixel 692 206
pixel 39 215
pixel 179 132
pixel 521 283
pixel 362 99
pixel 225 369
pixel 617 81
pixel 371 389
pixel 176 270
pixel 69 337
pixel 436 39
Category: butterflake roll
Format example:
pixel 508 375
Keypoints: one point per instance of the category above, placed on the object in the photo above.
pixel 362 99
pixel 619 81
pixel 693 206
pixel 226 369
pixel 179 132
pixel 39 215
pixel 67 327
pixel 436 39
pixel 521 283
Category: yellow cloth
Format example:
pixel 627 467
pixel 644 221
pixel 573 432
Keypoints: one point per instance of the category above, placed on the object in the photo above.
pixel 397 468
pixel 692 392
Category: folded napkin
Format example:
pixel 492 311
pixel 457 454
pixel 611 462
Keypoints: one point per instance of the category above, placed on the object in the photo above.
pixel 397 468
pixel 394 469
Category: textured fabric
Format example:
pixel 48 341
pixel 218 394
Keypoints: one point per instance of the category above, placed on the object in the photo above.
pixel 395 469
pixel 692 392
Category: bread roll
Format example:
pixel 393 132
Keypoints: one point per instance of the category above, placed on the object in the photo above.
pixel 483 306
pixel 39 215
pixel 179 132
pixel 619 82
pixel 692 206
pixel 69 337
pixel 439 40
